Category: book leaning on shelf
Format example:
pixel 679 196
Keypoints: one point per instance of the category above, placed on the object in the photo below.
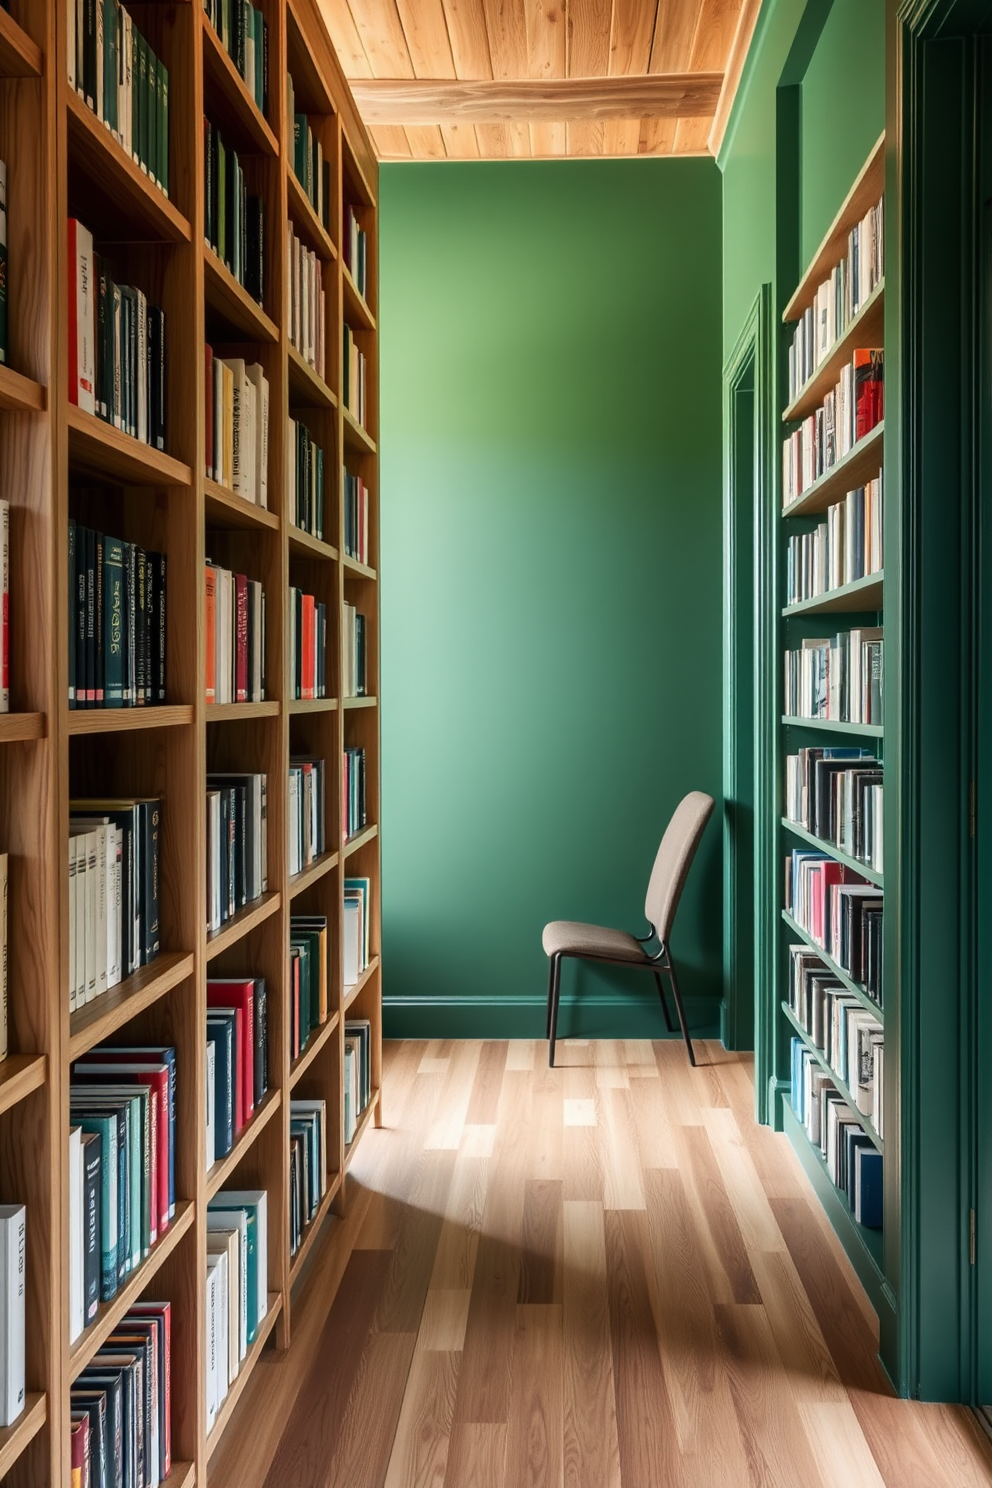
pixel 234 219
pixel 841 913
pixel 845 547
pixel 306 812
pixel 849 412
pixel 852 1160
pixel 837 678
pixel 121 1404
pixel 237 844
pixel 353 658
pixel 307 303
pixel 355 249
pixel 355 373
pixel 357 920
pixel 305 475
pixel 236 396
pixel 119 77
pixel 356 517
pixel 234 637
pixel 113 893
pixel 353 791
pixel 13 1276
pixel 117 618
pixel 117 353
pixel 307 645
pixel 357 1073
pixel 838 300
pixel 308 978
pixel 309 166
pixel 236 1286
pixel 307 1165
pixel 244 34
pixel 237 1028
pixel 836 794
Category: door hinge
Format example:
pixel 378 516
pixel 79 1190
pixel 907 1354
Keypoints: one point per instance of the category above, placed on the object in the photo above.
pixel 971 1238
pixel 971 809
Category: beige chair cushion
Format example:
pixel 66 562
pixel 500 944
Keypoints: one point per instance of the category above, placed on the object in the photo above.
pixel 675 855
pixel 572 938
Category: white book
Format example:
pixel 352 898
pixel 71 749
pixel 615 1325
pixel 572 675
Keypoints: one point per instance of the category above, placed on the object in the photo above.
pixel 77 1235
pixel 237 1220
pixel 211 1147
pixel 72 924
pixel 249 456
pixel 260 437
pixel 228 1244
pixel 219 435
pixel 217 1263
pixel 259 1200
pixel 85 316
pixel 211 1360
pixel 352 941
pixel 294 821
pixel 13 1242
pixel 263 448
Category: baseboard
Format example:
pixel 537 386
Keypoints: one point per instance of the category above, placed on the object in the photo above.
pixel 524 1017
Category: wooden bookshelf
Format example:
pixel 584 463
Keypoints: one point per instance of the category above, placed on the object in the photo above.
pixel 860 464
pixel 865 329
pixel 861 594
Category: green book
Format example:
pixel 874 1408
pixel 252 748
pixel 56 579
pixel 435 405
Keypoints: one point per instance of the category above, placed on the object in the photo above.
pixel 106 1128
pixel 136 94
pixel 142 101
pixel 110 64
pixel 113 622
pixel 258 23
pixel 162 172
pixel 300 147
pixel 221 200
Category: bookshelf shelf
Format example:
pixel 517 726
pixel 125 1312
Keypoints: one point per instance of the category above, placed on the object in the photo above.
pixel 183 1475
pixel 226 509
pixel 832 851
pixel 20 57
pixel 20 1076
pixel 363 1122
pixel 109 1012
pixel 868 186
pixel 312 1230
pixel 315 1044
pixel 357 311
pixel 222 1169
pixel 95 1336
pixel 833 726
pixel 103 451
pixel 353 992
pixel 19 728
pixel 308 225
pixel 121 201
pixel 14 1439
pixel 862 463
pixel 354 170
pixel 836 1080
pixel 228 104
pixel 128 720
pixel 314 871
pixel 20 394
pixel 355 436
pixel 241 924
pixel 832 966
pixel 866 329
pixel 306 387
pixel 310 547
pixel 237 1387
pixel 299 707
pixel 360 839
pixel 862 594
pixel 354 569
pixel 232 303
pixel 351 703
pixel 240 712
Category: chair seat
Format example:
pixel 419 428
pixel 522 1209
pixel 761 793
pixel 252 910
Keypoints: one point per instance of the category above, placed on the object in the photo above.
pixel 572 938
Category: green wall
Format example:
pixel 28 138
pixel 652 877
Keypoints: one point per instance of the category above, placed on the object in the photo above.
pixel 551 571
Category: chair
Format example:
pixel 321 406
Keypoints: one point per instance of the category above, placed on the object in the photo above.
pixel 598 943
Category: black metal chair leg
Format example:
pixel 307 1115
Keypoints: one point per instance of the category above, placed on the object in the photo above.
pixel 679 1008
pixel 553 996
pixel 664 1001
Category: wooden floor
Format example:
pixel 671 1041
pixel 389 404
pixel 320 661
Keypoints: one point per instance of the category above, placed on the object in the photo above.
pixel 600 1275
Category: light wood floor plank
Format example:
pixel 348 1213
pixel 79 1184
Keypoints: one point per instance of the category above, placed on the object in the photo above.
pixel 591 1453
pixel 476 1455
pixel 419 1458
pixel 535 1433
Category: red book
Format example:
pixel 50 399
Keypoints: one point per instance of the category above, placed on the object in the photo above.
pixel 308 650
pixel 235 993
pixel 241 635
pixel 161 1312
pixel 104 1065
pixel 208 395
pixel 80 1440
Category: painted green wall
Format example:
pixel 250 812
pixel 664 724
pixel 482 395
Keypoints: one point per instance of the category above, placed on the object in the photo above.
pixel 551 571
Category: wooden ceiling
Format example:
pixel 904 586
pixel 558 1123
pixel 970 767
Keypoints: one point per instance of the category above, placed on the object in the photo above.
pixel 510 79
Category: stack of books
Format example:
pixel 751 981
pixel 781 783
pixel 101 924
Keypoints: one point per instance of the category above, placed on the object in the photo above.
pixel 305 479
pixel 237 1286
pixel 844 548
pixel 853 1161
pixel 118 75
pixel 847 414
pixel 114 882
pixel 307 645
pixel 355 372
pixel 843 1030
pixel 306 812
pixel 838 677
pixel 307 1165
pixel 244 34
pixel 357 1073
pixel 355 249
pixel 237 844
pixel 237 1058
pixel 237 426
pixel 234 222
pixel 307 304
pixel 840 912
pixel 357 919
pixel 353 655
pixel 117 637
pixel 121 1404
pixel 353 791
pixel 308 978
pixel 356 517
pixel 234 636
pixel 836 794
pixel 838 300
pixel 117 366
pixel 309 166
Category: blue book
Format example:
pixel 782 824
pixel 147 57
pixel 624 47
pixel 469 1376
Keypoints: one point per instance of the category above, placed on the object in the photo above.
pixel 105 1126
pixel 868 1187
pixel 220 1032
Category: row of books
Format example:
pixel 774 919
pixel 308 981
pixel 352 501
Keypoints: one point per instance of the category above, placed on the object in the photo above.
pixel 355 371
pixel 357 1073
pixel 122 80
pixel 845 547
pixel 237 1058
pixel 234 218
pixel 353 791
pixel 117 353
pixel 356 249
pixel 357 926
pixel 305 479
pixel 356 517
pixel 236 394
pixel 234 636
pixel 237 844
pixel 307 1165
pixel 122 1165
pixel 838 300
pixel 114 891
pixel 309 949
pixel 13 1311
pixel 353 652
pixel 838 678
pixel 840 912
pixel 849 1036
pixel 306 812
pixel 307 644
pixel 244 34
pixel 836 794
pixel 236 1286
pixel 307 311
pixel 3 262
pixel 849 411
pixel 117 617
pixel 852 1160
pixel 309 166
pixel 121 1405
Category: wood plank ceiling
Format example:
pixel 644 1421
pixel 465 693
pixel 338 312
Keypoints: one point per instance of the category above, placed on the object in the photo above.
pixel 539 79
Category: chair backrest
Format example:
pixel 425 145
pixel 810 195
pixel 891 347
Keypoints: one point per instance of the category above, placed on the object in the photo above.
pixel 674 859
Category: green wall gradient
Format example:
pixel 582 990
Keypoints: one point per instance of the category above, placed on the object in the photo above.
pixel 551 572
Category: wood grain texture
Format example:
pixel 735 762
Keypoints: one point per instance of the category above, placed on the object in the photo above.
pixel 399 101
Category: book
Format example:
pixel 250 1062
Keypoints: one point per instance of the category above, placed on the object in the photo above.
pixel 305 477
pixel 306 812
pixel 307 320
pixel 80 320
pixel 3 262
pixel 356 518
pixel 13 1259
pixel 838 299
pixel 354 376
pixel 234 637
pixel 244 33
pixel 353 791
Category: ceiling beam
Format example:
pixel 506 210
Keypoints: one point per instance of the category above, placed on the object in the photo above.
pixel 679 95
pixel 746 21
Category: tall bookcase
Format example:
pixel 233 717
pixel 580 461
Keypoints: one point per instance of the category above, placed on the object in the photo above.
pixel 58 462
pixel 852 605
